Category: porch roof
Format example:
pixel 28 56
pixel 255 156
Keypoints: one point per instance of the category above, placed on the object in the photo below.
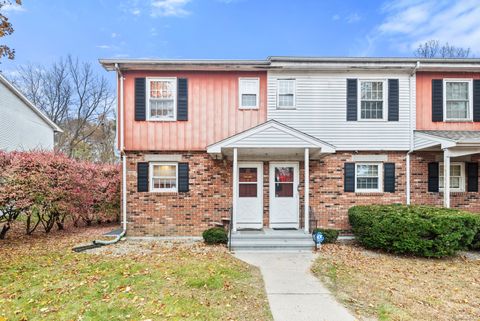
pixel 442 139
pixel 271 137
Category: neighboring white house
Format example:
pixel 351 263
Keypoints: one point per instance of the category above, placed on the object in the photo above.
pixel 22 125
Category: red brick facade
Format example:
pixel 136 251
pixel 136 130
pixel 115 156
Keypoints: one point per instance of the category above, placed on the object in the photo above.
pixel 210 195
pixel 419 183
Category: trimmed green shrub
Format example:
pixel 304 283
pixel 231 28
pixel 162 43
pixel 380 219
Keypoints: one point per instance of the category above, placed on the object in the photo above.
pixel 476 242
pixel 419 230
pixel 215 235
pixel 330 235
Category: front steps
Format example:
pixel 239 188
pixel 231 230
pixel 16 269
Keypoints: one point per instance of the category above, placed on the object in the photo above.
pixel 271 240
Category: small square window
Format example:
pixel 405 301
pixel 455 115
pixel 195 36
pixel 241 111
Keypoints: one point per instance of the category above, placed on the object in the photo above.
pixel 163 177
pixel 248 93
pixel 161 98
pixel 368 177
pixel 457 177
pixel 372 100
pixel 457 94
pixel 286 93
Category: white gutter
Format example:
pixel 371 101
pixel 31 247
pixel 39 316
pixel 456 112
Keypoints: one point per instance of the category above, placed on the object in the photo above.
pixel 410 129
pixel 124 166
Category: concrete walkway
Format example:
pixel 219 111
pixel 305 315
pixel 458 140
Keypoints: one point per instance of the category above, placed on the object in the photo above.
pixel 292 290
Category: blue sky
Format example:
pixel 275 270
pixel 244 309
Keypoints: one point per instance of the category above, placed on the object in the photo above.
pixel 244 29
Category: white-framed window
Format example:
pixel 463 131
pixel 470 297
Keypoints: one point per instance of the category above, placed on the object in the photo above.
pixel 457 99
pixel 372 99
pixel 368 177
pixel 249 89
pixel 286 93
pixel 161 99
pixel 457 177
pixel 163 177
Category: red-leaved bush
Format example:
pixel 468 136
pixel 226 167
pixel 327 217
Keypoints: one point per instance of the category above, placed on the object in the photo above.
pixel 49 188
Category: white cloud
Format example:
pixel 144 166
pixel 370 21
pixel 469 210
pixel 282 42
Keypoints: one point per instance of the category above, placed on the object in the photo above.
pixel 104 46
pixel 408 23
pixel 135 11
pixel 336 17
pixel 354 17
pixel 12 8
pixel 172 8
pixel 114 35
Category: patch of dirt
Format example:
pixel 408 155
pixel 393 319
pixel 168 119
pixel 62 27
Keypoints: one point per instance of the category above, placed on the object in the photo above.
pixel 392 287
pixel 144 247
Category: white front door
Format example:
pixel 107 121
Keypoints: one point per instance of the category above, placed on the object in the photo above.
pixel 249 212
pixel 284 195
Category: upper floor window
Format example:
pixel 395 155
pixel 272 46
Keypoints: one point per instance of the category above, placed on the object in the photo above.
pixel 457 177
pixel 161 98
pixel 286 93
pixel 458 99
pixel 163 177
pixel 368 177
pixel 248 93
pixel 372 99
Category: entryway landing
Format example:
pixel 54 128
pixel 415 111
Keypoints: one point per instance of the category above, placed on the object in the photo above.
pixel 271 239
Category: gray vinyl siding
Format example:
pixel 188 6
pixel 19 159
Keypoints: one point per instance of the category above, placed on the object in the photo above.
pixel 321 110
pixel 421 142
pixel 20 127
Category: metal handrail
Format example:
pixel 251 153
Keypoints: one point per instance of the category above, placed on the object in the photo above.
pixel 230 227
pixel 311 218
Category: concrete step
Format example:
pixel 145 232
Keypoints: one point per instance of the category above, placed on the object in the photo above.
pixel 272 244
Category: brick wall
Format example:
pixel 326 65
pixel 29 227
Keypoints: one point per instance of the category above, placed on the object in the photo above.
pixel 160 214
pixel 210 196
pixel 419 183
pixel 327 198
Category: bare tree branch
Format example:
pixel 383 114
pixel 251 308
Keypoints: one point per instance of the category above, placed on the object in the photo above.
pixel 433 49
pixel 77 99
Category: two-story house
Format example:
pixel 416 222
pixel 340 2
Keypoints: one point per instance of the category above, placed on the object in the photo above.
pixel 288 142
pixel 447 134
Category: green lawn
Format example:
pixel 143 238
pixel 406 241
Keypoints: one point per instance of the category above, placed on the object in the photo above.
pixel 42 279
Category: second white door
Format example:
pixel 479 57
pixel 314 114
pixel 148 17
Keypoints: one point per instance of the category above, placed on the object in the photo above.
pixel 284 199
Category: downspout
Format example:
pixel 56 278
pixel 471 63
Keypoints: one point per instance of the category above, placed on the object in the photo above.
pixel 410 129
pixel 124 166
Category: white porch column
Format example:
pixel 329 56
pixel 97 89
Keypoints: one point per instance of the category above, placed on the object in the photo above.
pixel 446 178
pixel 235 192
pixel 307 190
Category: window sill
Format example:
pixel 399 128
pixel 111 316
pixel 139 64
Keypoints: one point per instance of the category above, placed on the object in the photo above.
pixel 372 120
pixel 369 193
pixel 161 120
pixel 248 108
pixel 458 121
pixel 286 108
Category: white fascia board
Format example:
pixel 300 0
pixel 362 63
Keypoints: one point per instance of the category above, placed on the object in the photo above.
pixel 445 142
pixel 309 140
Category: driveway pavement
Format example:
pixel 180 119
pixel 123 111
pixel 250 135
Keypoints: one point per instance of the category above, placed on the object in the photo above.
pixel 293 292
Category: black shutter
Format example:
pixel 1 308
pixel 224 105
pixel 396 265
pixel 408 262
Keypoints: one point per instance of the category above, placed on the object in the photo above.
pixel 437 99
pixel 349 177
pixel 389 177
pixel 183 184
pixel 352 100
pixel 140 92
pixel 476 100
pixel 142 177
pixel 393 100
pixel 182 99
pixel 433 177
pixel 472 174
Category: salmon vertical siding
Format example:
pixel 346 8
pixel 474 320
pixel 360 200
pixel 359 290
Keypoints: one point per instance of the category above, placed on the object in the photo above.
pixel 213 112
pixel 424 102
